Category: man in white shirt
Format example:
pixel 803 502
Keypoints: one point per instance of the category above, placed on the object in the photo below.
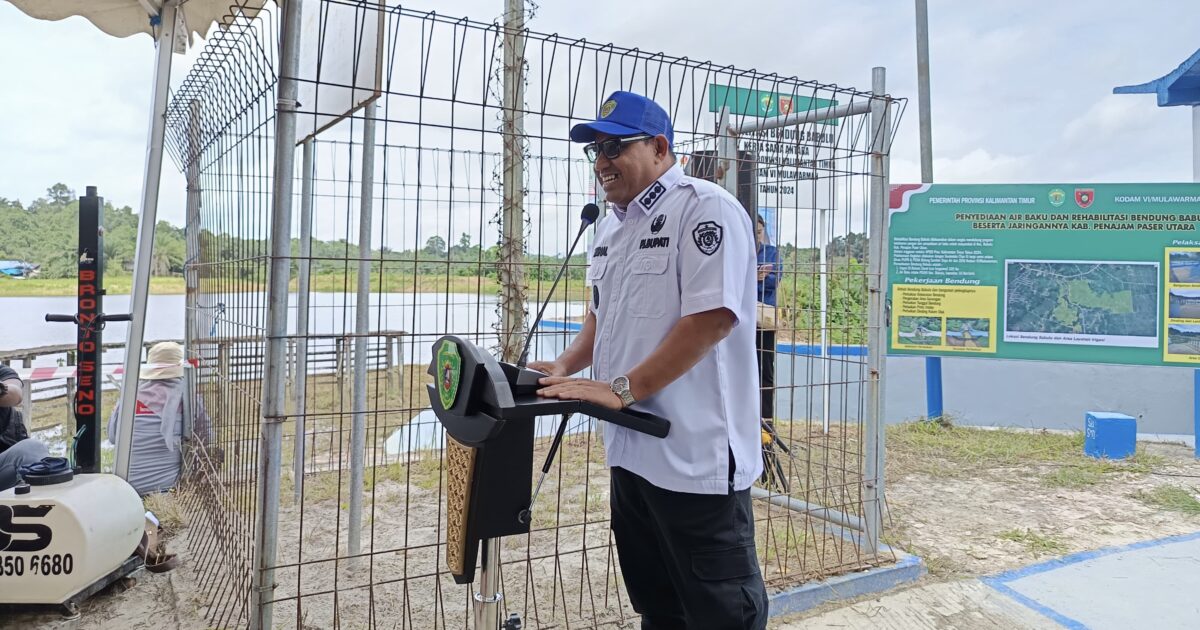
pixel 671 331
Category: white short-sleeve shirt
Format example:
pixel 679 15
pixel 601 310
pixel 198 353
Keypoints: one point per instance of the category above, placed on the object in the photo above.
pixel 683 246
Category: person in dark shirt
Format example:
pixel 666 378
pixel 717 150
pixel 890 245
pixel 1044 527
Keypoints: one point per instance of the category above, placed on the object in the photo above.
pixel 768 279
pixel 16 448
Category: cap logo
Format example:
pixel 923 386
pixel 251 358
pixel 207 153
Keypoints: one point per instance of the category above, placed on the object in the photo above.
pixel 607 108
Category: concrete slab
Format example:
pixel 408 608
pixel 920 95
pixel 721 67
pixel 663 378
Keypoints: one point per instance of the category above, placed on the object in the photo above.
pixel 1148 584
pixel 957 605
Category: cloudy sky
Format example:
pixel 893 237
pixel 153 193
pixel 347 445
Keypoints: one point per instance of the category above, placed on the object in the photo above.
pixel 1022 89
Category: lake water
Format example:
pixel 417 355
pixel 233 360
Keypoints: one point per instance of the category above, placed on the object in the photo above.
pixel 423 315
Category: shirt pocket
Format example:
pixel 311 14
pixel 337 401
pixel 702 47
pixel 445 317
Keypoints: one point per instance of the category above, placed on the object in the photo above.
pixel 595 275
pixel 650 285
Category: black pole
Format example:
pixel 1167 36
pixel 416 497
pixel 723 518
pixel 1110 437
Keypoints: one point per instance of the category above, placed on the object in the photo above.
pixel 89 321
pixel 89 348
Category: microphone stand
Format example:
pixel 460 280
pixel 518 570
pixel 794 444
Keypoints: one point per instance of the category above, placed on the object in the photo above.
pixel 588 216
pixel 590 212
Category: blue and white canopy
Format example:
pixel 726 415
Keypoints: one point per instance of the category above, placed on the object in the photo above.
pixel 1180 87
pixel 122 18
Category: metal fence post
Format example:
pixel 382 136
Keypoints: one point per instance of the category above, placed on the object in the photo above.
pixel 303 284
pixel 342 347
pixel 512 241
pixel 222 379
pixel 147 223
pixel 358 427
pixel 275 368
pixel 874 431
pixel 389 363
pixel 27 398
pixel 191 275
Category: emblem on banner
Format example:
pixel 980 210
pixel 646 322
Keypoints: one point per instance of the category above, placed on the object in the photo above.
pixel 1084 197
pixel 450 371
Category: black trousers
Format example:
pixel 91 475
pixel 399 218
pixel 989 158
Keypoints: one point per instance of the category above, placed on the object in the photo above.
pixel 688 560
pixel 765 342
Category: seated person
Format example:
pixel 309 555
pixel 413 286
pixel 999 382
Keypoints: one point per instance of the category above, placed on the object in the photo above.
pixel 16 449
pixel 156 458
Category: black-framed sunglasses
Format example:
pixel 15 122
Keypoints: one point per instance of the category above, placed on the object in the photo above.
pixel 612 147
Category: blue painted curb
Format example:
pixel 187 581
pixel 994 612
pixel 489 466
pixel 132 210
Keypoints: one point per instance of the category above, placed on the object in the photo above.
pixel 1001 581
pixel 907 569
pixel 783 348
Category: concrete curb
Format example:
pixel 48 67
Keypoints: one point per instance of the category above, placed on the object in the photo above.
pixel 907 569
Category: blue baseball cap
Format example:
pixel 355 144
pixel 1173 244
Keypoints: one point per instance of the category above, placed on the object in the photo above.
pixel 626 114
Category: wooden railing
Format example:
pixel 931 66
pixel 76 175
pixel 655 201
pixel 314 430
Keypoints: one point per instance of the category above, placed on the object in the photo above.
pixel 235 357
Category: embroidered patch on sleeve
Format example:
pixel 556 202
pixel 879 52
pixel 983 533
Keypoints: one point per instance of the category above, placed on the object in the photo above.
pixel 708 237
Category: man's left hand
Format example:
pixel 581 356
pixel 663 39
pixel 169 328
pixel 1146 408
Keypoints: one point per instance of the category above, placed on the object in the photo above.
pixel 584 389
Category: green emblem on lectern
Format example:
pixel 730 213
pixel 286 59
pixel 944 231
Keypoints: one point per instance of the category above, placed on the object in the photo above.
pixel 450 372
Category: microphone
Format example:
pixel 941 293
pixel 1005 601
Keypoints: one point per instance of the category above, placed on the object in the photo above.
pixel 587 217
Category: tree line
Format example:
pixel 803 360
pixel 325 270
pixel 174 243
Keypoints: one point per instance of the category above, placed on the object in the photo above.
pixel 46 233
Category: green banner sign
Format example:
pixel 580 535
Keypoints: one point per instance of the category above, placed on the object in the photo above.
pixel 1093 273
pixel 747 102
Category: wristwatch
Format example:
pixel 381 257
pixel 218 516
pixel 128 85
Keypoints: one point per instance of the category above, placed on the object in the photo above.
pixel 620 387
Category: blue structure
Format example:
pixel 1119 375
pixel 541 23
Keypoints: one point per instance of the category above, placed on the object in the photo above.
pixel 1109 435
pixel 1178 88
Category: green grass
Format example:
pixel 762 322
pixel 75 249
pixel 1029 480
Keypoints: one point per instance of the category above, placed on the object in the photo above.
pixel 1073 477
pixel 424 473
pixel 393 282
pixel 322 283
pixel 1172 498
pixel 1089 472
pixel 1034 543
pixel 943 449
pixel 60 287
pixel 984 447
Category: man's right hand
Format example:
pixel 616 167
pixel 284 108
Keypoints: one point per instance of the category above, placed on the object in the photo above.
pixel 551 368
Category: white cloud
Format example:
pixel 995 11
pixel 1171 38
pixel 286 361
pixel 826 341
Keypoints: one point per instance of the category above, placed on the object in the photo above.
pixel 982 166
pixel 1021 89
pixel 1112 115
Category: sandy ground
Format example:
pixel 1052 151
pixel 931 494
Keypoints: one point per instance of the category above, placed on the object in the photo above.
pixel 965 525
pixel 992 519
pixel 963 520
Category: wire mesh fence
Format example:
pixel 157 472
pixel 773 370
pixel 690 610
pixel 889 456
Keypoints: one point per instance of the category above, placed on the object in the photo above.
pixel 445 204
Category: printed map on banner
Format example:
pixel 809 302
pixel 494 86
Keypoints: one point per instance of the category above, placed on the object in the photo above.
pixel 1095 273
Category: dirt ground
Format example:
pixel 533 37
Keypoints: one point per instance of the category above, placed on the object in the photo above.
pixel 969 502
pixel 988 502
pixel 991 518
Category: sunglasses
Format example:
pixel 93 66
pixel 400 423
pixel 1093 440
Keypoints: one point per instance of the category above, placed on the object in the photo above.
pixel 612 147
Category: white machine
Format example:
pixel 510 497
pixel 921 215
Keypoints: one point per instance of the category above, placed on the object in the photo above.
pixel 67 538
